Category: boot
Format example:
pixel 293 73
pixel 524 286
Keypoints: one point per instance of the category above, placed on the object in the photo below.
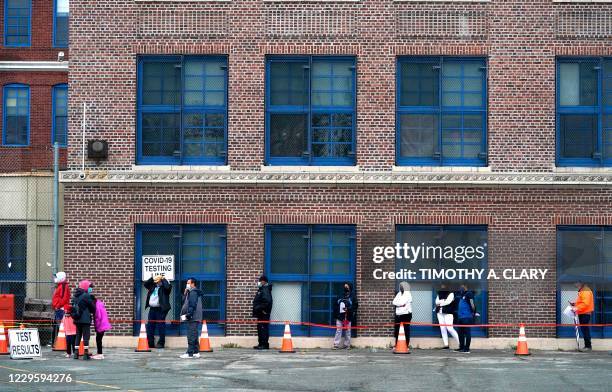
pixel 86 355
pixel 76 354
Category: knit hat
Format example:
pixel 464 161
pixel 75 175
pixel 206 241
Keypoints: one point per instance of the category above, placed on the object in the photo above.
pixel 60 277
pixel 85 284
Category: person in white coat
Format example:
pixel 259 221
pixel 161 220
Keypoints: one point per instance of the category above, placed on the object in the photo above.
pixel 403 310
pixel 444 310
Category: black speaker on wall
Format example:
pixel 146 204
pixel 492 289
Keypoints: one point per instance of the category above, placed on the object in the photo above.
pixel 97 149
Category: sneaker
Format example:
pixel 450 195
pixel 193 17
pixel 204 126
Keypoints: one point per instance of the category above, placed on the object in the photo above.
pixel 466 351
pixel 186 356
pixel 258 347
pixel 348 347
pixel 459 350
pixel 336 348
pixel 97 356
pixel 159 346
pixel 86 357
pixel 76 356
pixel 196 355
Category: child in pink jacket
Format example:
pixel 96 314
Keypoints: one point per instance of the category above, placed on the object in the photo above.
pixel 101 325
pixel 70 330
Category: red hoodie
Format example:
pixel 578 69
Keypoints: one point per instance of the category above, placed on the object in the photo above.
pixel 61 296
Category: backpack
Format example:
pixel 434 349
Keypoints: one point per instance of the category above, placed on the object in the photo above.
pixel 464 309
pixel 75 309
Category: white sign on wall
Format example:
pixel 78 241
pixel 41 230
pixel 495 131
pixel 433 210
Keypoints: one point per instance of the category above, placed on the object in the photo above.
pixel 158 265
pixel 24 343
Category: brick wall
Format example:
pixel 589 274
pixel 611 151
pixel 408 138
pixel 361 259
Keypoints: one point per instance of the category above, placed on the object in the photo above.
pixel 100 221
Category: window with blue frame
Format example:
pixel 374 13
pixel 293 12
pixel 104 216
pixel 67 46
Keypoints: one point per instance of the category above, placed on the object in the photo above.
pixel 441 111
pixel 60 114
pixel 584 111
pixel 182 110
pixel 16 115
pixel 17 22
pixel 584 253
pixel 60 23
pixel 308 266
pixel 310 110
pixel 199 252
pixel 469 251
pixel 13 249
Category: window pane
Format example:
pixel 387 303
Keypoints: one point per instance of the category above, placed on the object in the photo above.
pixel 607 83
pixel 578 135
pixel 288 83
pixel 332 83
pixel 580 253
pixel 161 83
pixel 607 136
pixel 160 134
pixel 60 110
pixel 288 135
pixel 17 22
pixel 289 252
pixel 419 84
pixel 578 84
pixel 332 135
pixel 418 135
pixel 16 116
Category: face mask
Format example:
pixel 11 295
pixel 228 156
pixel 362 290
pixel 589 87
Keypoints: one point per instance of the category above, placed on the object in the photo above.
pixel 402 290
pixel 346 289
pixel 89 290
pixel 259 284
pixel 188 287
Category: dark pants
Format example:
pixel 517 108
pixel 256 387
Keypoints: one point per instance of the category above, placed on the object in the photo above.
pixel 99 336
pixel 193 335
pixel 263 331
pixel 157 319
pixel 404 318
pixel 465 333
pixel 70 343
pixel 585 329
pixel 84 332
pixel 59 316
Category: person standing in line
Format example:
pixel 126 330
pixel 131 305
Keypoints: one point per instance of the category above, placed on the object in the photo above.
pixel 70 330
pixel 262 308
pixel 101 325
pixel 60 301
pixel 466 314
pixel 403 310
pixel 444 310
pixel 191 314
pixel 583 306
pixel 83 309
pixel 345 310
pixel 158 302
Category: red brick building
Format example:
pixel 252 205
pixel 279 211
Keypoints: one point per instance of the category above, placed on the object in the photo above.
pixel 291 138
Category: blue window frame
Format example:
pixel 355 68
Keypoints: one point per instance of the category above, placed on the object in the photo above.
pixel 441 114
pixel 584 253
pixel 182 110
pixel 17 22
pixel 16 115
pixel 584 111
pixel 310 110
pixel 424 291
pixel 199 252
pixel 61 19
pixel 308 266
pixel 60 115
pixel 13 251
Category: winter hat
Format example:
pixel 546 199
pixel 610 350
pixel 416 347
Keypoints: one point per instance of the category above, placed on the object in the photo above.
pixel 60 277
pixel 85 284
pixel 263 278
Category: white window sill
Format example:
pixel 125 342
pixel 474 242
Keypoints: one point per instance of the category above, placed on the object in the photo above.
pixel 441 169
pixel 311 169
pixel 158 168
pixel 594 170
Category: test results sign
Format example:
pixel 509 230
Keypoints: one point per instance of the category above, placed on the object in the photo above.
pixel 158 265
pixel 24 343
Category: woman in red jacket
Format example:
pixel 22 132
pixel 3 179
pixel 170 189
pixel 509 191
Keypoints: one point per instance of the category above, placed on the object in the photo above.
pixel 60 301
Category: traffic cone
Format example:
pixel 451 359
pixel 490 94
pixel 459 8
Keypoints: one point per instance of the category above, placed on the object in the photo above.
pixel 401 347
pixel 3 343
pixel 82 347
pixel 521 347
pixel 60 340
pixel 287 346
pixel 143 344
pixel 204 341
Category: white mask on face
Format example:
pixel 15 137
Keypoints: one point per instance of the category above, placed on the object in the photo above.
pixel 259 284
pixel 188 287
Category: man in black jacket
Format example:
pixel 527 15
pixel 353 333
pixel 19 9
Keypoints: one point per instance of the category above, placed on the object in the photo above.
pixel 158 302
pixel 262 307
pixel 345 310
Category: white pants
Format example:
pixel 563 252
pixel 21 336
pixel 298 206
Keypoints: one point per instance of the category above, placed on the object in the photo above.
pixel 444 318
pixel 339 332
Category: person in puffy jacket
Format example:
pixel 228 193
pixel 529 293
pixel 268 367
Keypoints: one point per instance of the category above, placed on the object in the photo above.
pixel 60 301
pixel 191 314
pixel 101 325
pixel 466 314
pixel 444 310
pixel 403 310
pixel 345 310
pixel 262 308
pixel 583 306
pixel 82 311
pixel 158 302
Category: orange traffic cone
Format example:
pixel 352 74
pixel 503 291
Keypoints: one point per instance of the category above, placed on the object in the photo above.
pixel 521 347
pixel 82 347
pixel 401 347
pixel 3 343
pixel 204 341
pixel 287 346
pixel 60 340
pixel 143 344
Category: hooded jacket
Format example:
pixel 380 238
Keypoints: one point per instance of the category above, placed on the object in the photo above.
pixel 262 303
pixel 101 322
pixel 163 293
pixel 350 305
pixel 403 300
pixel 83 301
pixel 61 295
pixel 192 305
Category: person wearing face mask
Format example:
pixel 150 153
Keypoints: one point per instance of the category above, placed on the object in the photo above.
pixel 445 301
pixel 345 310
pixel 191 314
pixel 158 302
pixel 403 310
pixel 262 307
pixel 83 309
pixel 60 301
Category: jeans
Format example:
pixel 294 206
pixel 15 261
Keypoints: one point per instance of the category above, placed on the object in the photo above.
pixel 70 344
pixel 99 336
pixel 444 318
pixel 193 334
pixel 465 333
pixel 157 319
pixel 403 318
pixel 59 316
pixel 263 331
pixel 341 331
pixel 84 332
pixel 585 329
